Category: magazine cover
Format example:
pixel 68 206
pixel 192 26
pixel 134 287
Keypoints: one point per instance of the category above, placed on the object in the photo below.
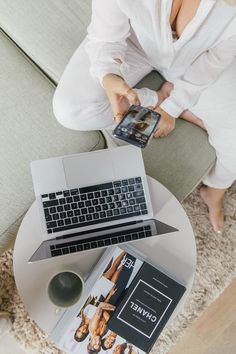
pixel 88 331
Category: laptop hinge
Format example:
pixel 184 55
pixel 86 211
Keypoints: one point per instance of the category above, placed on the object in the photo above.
pixel 112 227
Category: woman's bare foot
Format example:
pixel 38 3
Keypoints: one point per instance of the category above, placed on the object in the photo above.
pixel 164 91
pixel 213 197
pixel 190 117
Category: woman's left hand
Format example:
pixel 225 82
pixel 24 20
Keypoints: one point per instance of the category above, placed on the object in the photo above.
pixel 166 124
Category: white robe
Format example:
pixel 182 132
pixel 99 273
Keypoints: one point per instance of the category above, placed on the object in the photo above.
pixel 149 19
pixel 206 86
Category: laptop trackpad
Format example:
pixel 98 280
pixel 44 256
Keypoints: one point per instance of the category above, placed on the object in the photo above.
pixel 87 170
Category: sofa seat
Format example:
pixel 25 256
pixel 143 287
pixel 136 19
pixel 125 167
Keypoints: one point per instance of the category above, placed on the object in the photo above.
pixel 51 32
pixel 28 131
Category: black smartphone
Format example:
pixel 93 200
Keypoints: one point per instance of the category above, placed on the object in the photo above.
pixel 137 126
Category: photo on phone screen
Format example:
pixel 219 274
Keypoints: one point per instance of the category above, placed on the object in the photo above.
pixel 137 126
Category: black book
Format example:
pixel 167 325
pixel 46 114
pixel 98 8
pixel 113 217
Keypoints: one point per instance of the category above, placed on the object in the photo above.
pixel 146 308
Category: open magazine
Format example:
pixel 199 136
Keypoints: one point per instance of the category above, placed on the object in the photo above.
pixel 125 305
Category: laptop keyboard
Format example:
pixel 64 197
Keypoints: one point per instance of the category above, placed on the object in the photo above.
pixel 78 207
pixel 101 241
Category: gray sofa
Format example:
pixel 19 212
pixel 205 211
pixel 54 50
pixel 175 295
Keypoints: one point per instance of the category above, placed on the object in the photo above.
pixel 37 38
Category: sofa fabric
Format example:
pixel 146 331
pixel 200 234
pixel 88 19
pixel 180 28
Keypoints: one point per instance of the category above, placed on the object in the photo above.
pixel 28 131
pixel 48 31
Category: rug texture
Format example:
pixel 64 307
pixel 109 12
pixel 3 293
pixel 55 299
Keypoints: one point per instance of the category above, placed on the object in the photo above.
pixel 216 268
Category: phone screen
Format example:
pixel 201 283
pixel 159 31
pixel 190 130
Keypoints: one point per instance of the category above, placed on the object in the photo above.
pixel 137 125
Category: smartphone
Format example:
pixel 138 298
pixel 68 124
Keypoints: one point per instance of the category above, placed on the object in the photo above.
pixel 137 126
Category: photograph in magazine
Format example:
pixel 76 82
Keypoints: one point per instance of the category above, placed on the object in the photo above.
pixel 89 331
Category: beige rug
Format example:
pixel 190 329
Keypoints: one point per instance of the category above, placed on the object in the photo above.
pixel 215 270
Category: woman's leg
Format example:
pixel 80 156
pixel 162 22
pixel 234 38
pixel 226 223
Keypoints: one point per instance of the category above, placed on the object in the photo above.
pixel 216 113
pixel 217 108
pixel 192 118
pixel 222 175
pixel 81 103
pixel 213 198
pixel 111 271
pixel 187 115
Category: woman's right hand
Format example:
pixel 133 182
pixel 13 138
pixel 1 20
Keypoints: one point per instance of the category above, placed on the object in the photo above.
pixel 120 95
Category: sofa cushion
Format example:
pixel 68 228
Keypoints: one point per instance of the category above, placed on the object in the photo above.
pixel 28 131
pixel 47 31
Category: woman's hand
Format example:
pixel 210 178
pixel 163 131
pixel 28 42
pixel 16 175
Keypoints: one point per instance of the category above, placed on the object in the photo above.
pixel 165 125
pixel 120 95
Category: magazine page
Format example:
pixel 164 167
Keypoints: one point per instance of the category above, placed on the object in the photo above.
pixel 88 331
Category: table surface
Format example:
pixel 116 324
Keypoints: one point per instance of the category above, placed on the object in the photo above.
pixel 174 252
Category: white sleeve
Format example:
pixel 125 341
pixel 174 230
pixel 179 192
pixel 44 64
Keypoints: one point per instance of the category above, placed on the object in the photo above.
pixel 107 35
pixel 201 74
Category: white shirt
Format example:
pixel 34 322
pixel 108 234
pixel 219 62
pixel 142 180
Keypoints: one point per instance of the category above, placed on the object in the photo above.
pixel 102 287
pixel 110 27
pixel 89 311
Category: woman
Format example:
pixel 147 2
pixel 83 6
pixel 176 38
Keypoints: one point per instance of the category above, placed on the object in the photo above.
pixel 192 43
pixel 120 348
pixel 98 326
pixel 83 330
pixel 109 341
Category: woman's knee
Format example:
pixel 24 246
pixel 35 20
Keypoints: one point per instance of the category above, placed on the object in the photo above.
pixel 62 108
pixel 80 115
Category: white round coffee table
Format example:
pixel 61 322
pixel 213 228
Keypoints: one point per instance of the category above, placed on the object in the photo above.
pixel 174 252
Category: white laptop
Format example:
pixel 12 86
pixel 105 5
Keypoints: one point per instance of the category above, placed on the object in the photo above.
pixel 93 199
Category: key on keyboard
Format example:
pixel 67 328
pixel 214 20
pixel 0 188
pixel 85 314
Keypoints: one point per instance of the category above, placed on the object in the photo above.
pixel 78 207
